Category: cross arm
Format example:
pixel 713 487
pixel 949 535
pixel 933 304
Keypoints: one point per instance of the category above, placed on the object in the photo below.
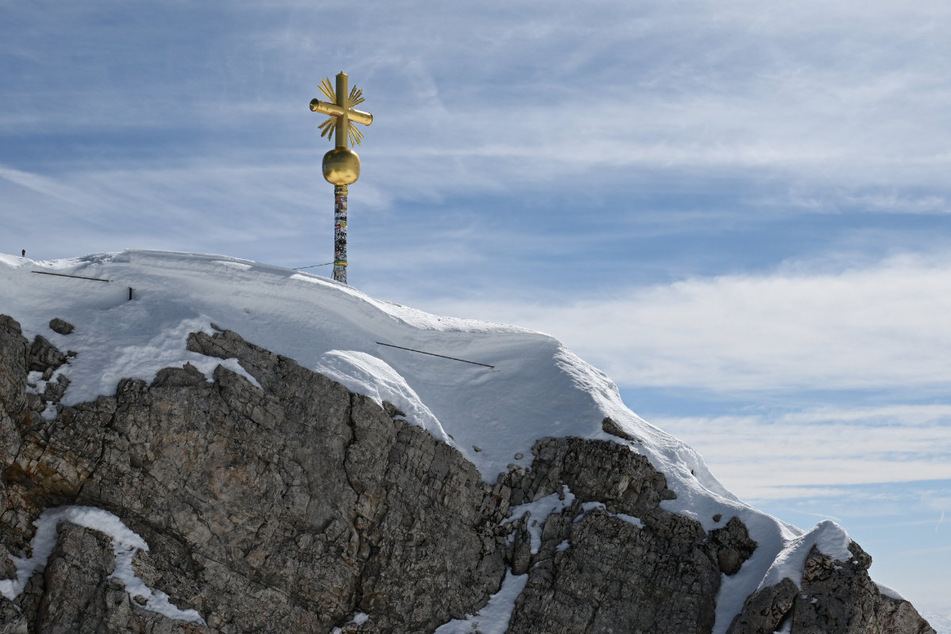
pixel 333 110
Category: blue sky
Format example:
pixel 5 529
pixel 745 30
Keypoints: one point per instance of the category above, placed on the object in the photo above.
pixel 739 210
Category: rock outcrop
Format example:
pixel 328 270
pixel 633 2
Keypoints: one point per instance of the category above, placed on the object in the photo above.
pixel 278 501
pixel 835 597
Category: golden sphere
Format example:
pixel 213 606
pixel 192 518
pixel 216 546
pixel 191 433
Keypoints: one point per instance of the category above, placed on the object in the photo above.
pixel 341 166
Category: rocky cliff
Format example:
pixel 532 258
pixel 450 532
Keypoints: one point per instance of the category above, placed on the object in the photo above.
pixel 275 500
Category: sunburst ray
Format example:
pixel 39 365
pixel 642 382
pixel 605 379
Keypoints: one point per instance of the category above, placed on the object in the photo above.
pixel 327 126
pixel 327 88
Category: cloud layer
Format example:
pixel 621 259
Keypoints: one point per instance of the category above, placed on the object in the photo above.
pixel 881 327
pixel 821 452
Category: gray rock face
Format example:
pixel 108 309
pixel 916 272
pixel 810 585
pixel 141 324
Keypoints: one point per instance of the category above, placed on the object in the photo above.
pixel 292 505
pixel 628 565
pixel 287 508
pixel 836 597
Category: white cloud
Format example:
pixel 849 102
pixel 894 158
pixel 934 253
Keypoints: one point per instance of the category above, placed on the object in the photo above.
pixel 817 452
pixel 50 187
pixel 200 206
pixel 881 327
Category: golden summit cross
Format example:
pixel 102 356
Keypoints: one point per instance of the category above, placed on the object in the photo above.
pixel 341 110
pixel 341 165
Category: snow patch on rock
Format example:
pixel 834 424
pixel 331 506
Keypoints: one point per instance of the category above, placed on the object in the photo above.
pixel 125 543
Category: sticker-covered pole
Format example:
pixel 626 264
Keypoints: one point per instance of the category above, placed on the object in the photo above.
pixel 340 233
pixel 341 165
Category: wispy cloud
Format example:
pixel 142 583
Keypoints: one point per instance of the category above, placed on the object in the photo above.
pixel 502 95
pixel 815 452
pixel 884 327
pixel 176 208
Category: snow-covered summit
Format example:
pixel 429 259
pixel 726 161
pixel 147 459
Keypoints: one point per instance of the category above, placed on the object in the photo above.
pixel 487 389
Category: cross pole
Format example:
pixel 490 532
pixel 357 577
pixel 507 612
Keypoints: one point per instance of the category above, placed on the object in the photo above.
pixel 341 165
